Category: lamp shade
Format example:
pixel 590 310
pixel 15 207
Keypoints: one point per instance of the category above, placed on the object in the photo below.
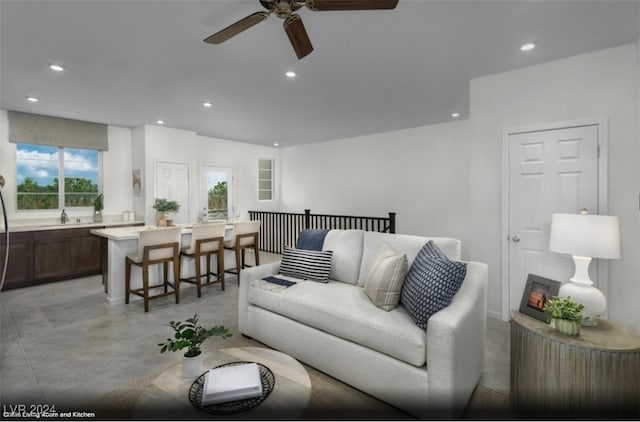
pixel 594 236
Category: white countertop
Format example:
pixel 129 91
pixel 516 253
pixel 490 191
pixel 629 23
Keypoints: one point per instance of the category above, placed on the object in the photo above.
pixel 27 226
pixel 127 233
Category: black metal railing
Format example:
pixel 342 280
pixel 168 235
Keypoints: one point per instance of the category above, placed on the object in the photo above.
pixel 279 229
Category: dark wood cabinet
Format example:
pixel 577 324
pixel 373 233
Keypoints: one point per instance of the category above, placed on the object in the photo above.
pixel 53 255
pixel 20 265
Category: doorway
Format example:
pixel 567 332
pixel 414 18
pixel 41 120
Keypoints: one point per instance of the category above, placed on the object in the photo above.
pixel 558 168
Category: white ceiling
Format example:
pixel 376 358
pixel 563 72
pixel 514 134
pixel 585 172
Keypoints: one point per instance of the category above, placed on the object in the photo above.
pixel 130 63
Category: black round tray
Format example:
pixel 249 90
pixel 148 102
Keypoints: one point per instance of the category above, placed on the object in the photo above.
pixel 237 406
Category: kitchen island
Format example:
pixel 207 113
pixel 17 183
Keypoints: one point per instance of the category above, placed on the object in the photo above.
pixel 122 241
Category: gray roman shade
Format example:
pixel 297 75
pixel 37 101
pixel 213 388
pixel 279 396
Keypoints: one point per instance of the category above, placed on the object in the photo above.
pixel 55 131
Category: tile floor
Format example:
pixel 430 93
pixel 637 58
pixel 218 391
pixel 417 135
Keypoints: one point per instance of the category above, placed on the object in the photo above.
pixel 62 344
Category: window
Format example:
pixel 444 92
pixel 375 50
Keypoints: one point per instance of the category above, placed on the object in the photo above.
pixel 218 192
pixel 265 180
pixel 40 169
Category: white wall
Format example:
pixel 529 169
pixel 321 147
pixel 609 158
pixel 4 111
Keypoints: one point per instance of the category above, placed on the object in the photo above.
pixel 598 84
pixel 422 174
pixel 116 183
pixel 446 179
pixel 181 146
pixel 142 147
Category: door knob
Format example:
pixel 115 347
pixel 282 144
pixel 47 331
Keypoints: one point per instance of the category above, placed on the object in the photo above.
pixel 515 239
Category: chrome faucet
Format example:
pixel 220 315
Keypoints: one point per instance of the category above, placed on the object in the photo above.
pixel 64 217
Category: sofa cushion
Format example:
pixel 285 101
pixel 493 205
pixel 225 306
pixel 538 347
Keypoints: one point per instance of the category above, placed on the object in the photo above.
pixel 432 282
pixel 343 310
pixel 384 281
pixel 404 244
pixel 347 253
pixel 311 239
pixel 306 265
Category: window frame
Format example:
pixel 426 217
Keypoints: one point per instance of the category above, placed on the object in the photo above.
pixel 61 182
pixel 271 189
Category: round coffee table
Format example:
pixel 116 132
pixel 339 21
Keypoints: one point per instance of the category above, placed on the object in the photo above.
pixel 167 397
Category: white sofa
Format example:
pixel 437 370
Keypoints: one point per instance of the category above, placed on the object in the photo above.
pixel 335 328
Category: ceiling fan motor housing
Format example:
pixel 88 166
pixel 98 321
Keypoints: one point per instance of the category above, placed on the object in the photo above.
pixel 282 8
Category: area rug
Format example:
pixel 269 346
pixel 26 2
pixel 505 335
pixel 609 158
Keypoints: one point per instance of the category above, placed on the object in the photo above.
pixel 330 400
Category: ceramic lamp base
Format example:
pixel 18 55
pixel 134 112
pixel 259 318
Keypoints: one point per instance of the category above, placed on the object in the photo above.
pixel 581 290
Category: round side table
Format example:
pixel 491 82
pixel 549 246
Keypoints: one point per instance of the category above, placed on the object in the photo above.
pixel 593 375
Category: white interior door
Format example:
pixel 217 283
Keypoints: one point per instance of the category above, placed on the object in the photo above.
pixel 172 183
pixel 550 171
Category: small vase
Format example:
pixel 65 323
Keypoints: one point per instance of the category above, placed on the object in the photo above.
pixel 570 328
pixel 161 219
pixel 191 366
pixel 97 216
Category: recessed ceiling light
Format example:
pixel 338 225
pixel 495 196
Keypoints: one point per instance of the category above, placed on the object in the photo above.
pixel 528 46
pixel 160 122
pixel 275 144
pixel 33 99
pixel 290 74
pixel 56 67
pixel 207 104
pixel 455 114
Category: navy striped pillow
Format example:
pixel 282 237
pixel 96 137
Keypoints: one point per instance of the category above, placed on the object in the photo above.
pixel 305 264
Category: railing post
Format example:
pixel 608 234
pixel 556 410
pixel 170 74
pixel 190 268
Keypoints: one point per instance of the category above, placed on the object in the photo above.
pixel 307 219
pixel 392 222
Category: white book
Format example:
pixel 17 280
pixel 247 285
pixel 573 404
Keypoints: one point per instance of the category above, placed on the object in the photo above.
pixel 229 383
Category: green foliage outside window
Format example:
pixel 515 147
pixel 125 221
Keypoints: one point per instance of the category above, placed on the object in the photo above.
pixel 217 201
pixel 79 192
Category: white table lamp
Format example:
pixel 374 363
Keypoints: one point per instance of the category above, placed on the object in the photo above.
pixel 584 237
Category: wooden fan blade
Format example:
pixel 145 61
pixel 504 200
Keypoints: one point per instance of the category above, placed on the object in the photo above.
pixel 321 5
pixel 298 36
pixel 236 28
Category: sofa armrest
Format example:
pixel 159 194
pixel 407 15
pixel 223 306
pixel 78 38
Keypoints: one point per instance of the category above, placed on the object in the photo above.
pixel 455 342
pixel 247 276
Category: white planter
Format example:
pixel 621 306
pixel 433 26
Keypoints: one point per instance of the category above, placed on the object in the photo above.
pixel 191 366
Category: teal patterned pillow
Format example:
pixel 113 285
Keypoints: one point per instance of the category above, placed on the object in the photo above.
pixel 432 282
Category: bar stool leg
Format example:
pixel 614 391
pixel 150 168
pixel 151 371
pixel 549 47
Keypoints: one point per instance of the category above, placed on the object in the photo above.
pixel 127 281
pixel 145 286
pixel 208 258
pixel 176 275
pixel 238 265
pixel 220 265
pixel 198 275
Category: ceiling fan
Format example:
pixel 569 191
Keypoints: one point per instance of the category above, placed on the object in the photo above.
pixel 284 9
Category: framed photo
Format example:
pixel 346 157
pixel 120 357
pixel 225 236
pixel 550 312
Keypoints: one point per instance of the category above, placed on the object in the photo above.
pixel 536 293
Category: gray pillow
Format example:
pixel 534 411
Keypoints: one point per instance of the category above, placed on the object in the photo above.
pixel 384 281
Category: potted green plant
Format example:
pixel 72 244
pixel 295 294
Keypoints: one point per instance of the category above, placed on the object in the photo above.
pixel 190 335
pixel 98 205
pixel 164 206
pixel 565 314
